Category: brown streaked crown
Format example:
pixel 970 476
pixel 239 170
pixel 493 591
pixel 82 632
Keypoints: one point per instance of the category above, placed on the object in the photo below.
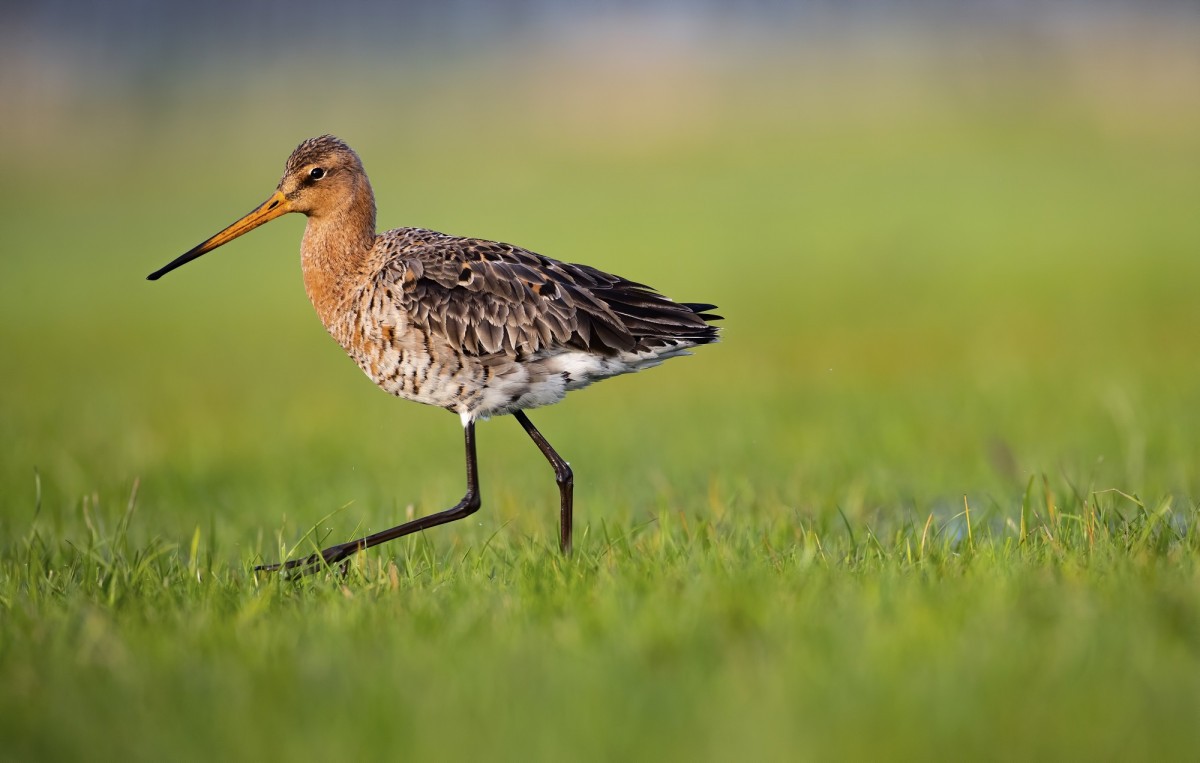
pixel 322 149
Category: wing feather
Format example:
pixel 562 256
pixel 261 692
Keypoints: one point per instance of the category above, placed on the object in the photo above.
pixel 484 297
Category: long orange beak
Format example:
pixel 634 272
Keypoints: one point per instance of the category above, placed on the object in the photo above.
pixel 273 207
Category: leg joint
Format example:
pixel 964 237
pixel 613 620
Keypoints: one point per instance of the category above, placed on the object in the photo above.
pixel 471 503
pixel 563 474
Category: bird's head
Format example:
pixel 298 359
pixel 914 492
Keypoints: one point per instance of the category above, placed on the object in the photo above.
pixel 321 175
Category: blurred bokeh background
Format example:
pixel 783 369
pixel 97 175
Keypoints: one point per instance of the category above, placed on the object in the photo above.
pixel 956 244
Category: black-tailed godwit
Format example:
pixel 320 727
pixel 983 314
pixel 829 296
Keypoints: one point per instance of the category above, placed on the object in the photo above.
pixel 476 327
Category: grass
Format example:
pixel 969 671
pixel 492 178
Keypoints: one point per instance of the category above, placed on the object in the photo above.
pixel 934 494
pixel 1072 634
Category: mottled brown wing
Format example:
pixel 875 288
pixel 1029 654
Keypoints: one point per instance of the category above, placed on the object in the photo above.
pixel 484 297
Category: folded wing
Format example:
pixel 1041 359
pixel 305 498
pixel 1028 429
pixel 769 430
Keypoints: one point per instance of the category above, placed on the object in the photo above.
pixel 485 297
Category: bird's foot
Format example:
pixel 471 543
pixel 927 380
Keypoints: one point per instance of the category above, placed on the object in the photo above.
pixel 315 562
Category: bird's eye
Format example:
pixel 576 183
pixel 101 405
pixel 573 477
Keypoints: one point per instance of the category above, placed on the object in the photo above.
pixel 317 173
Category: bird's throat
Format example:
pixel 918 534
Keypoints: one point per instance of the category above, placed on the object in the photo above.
pixel 336 247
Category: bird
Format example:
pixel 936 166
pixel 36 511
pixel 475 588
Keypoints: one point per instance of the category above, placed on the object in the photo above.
pixel 477 327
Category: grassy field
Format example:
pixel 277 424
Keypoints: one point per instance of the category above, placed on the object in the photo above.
pixel 935 493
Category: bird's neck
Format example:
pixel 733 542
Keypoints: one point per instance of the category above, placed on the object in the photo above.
pixel 336 248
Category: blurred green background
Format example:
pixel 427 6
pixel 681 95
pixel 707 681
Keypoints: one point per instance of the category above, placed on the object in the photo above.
pixel 956 247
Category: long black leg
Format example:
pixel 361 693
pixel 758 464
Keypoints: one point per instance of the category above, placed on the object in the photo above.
pixel 464 508
pixel 562 475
